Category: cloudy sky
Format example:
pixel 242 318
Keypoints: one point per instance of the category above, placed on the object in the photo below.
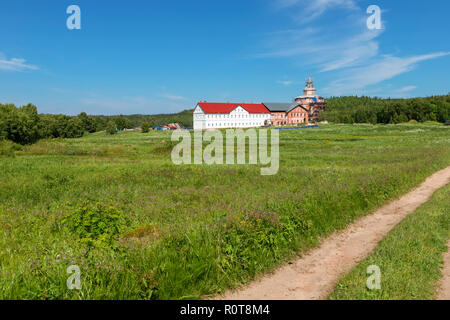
pixel 154 56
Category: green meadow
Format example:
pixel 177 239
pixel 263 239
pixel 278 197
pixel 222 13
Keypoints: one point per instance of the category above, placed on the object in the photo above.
pixel 410 258
pixel 140 227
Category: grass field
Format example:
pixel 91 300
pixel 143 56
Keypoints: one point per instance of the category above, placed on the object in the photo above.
pixel 410 258
pixel 140 227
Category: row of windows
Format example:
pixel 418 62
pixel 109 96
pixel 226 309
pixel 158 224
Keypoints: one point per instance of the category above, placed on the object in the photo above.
pixel 221 116
pixel 280 123
pixel 223 124
pixel 293 115
pixel 243 116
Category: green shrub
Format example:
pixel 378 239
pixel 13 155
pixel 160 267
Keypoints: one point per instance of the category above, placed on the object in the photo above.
pixel 96 224
pixel 7 148
pixel 111 127
pixel 433 123
pixel 145 127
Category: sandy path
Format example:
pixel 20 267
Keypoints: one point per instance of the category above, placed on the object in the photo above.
pixel 314 275
pixel 444 291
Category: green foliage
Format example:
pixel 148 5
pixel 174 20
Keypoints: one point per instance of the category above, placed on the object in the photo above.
pixel 87 122
pixel 111 127
pixel 123 122
pixel 145 127
pixel 25 126
pixel 184 118
pixel 377 110
pixel 61 126
pixel 96 224
pixel 20 125
pixel 7 148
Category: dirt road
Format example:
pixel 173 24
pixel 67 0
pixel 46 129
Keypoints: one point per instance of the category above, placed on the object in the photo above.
pixel 444 292
pixel 314 275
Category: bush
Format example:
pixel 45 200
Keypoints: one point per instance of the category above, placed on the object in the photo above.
pixel 145 127
pixel 7 148
pixel 96 224
pixel 20 125
pixel 111 127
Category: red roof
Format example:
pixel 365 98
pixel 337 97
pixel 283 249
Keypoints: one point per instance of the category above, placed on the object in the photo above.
pixel 213 107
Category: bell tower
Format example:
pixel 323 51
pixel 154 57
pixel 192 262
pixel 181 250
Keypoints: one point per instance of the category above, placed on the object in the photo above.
pixel 309 88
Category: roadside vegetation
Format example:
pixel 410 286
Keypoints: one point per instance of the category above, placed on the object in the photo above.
pixel 140 227
pixel 410 257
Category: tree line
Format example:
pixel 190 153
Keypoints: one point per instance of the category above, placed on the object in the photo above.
pixel 184 118
pixel 378 110
pixel 24 125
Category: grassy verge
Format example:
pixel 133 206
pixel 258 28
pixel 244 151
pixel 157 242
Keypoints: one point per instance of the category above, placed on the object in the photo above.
pixel 174 232
pixel 410 257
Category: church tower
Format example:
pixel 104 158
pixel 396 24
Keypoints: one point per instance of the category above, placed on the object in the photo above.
pixel 309 88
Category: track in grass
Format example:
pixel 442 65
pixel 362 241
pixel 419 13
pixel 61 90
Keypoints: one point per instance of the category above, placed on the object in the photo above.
pixel 409 258
pixel 444 292
pixel 315 275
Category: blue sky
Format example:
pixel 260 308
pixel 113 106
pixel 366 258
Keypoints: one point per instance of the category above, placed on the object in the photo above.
pixel 153 56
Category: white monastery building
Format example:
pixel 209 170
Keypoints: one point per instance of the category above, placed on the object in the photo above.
pixel 209 115
pixel 304 108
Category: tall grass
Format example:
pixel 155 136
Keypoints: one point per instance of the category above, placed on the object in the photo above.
pixel 193 230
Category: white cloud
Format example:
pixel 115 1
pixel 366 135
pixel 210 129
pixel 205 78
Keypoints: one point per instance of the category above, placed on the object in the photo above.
pixel 406 89
pixel 404 92
pixel 351 51
pixel 285 82
pixel 312 9
pixel 385 68
pixel 346 43
pixel 345 49
pixel 173 97
pixel 15 64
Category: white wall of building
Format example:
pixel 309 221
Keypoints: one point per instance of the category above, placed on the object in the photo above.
pixel 199 118
pixel 238 118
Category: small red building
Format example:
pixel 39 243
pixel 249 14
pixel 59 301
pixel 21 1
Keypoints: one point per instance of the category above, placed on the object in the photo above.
pixel 287 114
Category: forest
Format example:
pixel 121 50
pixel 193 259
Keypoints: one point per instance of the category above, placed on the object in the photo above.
pixel 24 125
pixel 377 110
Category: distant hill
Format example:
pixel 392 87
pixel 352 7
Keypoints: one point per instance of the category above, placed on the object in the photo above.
pixel 184 118
pixel 377 110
